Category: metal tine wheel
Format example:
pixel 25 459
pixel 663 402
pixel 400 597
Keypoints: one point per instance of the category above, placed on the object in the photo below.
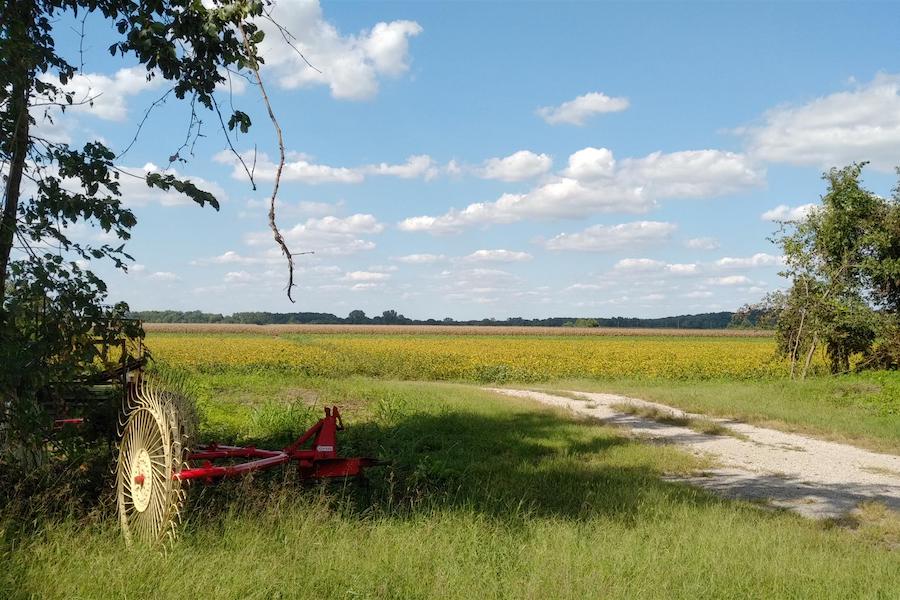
pixel 152 448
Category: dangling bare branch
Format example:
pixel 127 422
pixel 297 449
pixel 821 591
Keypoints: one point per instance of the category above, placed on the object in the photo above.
pixel 231 147
pixel 288 36
pixel 279 239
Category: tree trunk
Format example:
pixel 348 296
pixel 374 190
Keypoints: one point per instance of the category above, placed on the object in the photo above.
pixel 809 355
pixel 22 16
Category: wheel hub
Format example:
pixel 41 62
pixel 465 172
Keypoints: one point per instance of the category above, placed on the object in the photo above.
pixel 141 480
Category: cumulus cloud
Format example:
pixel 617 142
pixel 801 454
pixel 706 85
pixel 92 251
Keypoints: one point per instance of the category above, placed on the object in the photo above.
pixel 326 236
pixel 786 213
pixel 164 276
pixel 760 259
pixel 106 96
pixel 479 285
pixel 285 208
pixel 649 265
pixel 238 277
pixel 365 276
pixel 299 167
pixel 351 65
pixel 607 238
pixel 134 189
pixel 579 110
pixel 859 124
pixel 421 259
pixel 693 173
pixel 415 166
pixel 499 255
pixel 591 163
pixel 639 264
pixel 730 280
pixel 602 186
pixel 518 166
pixel 702 243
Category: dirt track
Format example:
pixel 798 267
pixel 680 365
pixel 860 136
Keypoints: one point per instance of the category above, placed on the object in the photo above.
pixel 815 478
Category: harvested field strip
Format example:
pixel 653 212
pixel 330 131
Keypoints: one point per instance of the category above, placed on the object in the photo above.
pixel 446 330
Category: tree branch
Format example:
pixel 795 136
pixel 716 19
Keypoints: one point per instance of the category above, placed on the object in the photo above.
pixel 279 239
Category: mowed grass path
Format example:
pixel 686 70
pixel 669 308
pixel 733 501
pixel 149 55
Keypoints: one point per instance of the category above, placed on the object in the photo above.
pixel 486 497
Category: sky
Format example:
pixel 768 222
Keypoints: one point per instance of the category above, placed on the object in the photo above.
pixel 473 160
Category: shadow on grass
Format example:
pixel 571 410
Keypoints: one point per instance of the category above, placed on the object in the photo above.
pixel 510 467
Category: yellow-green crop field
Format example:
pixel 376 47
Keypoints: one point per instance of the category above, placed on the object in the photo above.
pixel 479 358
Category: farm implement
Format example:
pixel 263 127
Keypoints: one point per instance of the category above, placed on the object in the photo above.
pixel 155 461
pixel 157 457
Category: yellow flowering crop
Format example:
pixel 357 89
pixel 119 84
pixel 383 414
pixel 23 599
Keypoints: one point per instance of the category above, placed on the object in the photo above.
pixel 487 358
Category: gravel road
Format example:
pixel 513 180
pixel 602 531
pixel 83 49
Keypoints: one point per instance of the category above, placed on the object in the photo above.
pixel 816 478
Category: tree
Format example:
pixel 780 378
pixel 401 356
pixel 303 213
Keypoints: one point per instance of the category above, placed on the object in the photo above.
pixel 51 303
pixel 841 262
pixel 760 315
pixel 357 317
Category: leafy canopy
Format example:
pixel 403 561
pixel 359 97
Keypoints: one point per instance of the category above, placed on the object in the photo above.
pixel 52 306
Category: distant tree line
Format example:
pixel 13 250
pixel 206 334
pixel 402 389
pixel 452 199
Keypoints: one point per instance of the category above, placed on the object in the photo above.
pixel 718 320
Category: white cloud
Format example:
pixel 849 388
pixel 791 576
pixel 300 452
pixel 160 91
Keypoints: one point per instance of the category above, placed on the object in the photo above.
pixel 240 277
pixel 415 166
pixel 699 294
pixel 579 110
pixel 702 243
pixel 230 257
pixel 730 280
pixel 693 173
pixel 298 167
pixel 365 276
pixel 639 265
pixel 648 265
pixel 785 213
pixel 497 256
pixel 518 166
pixel 834 130
pixel 350 65
pixel 591 163
pixel 607 238
pixel 283 208
pixel 683 268
pixel 760 259
pixel 421 259
pixel 135 191
pixel 633 186
pixel 105 96
pixel 164 276
pixel 326 236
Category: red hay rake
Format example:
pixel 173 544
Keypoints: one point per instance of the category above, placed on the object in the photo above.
pixel 156 461
pixel 157 456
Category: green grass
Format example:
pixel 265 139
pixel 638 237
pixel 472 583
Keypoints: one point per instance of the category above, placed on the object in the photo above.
pixel 860 409
pixel 698 424
pixel 486 497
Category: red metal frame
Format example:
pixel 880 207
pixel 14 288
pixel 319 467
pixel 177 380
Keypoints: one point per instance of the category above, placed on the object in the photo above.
pixel 318 462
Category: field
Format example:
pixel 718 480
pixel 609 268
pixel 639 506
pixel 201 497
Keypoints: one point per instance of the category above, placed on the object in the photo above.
pixel 476 358
pixel 484 496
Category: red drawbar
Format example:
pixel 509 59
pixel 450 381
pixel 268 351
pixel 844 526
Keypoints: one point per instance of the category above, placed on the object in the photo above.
pixel 317 462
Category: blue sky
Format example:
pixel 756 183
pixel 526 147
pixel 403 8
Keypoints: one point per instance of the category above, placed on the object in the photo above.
pixel 507 159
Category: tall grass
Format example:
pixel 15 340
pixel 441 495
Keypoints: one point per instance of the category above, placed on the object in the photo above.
pixel 484 497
